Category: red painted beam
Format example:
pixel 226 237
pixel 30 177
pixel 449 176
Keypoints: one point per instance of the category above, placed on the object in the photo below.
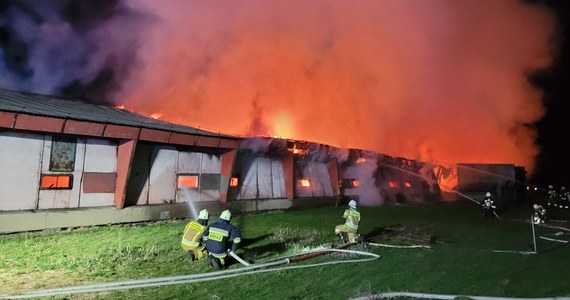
pixel 332 167
pixel 287 162
pixel 227 161
pixel 7 119
pixel 83 128
pixel 182 139
pixel 153 135
pixel 226 143
pixel 207 141
pixel 121 132
pixel 125 154
pixel 38 123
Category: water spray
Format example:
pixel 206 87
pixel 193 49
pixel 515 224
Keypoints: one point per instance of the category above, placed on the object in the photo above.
pixel 190 202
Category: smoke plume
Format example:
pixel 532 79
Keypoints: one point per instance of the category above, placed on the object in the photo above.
pixel 435 80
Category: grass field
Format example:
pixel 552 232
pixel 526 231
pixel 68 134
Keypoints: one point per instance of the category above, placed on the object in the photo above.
pixel 461 261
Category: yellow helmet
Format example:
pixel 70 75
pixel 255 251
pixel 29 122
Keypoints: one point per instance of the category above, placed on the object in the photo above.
pixel 226 215
pixel 204 215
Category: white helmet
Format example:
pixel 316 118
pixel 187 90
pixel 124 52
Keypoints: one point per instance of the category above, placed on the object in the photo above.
pixel 226 215
pixel 352 204
pixel 204 214
pixel 535 206
pixel 488 194
pixel 550 187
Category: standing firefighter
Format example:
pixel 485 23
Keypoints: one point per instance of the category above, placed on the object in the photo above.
pixel 192 238
pixel 539 214
pixel 551 196
pixel 350 226
pixel 563 201
pixel 488 205
pixel 218 236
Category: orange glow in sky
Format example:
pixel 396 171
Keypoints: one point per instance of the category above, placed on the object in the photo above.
pixel 441 81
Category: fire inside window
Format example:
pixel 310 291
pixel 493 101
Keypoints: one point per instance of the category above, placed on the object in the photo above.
pixel 355 183
pixel 56 182
pixel 188 181
pixel 407 184
pixel 360 160
pixel 392 184
pixel 305 182
pixel 234 181
pixel 297 147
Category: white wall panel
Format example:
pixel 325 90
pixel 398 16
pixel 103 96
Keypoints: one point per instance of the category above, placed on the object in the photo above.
pixel 211 163
pixel 20 155
pixel 189 162
pixel 162 185
pixel 248 189
pixel 264 185
pixel 278 178
pixel 100 156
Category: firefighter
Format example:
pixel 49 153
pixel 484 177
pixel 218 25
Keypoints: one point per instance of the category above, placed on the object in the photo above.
pixel 563 198
pixel 192 238
pixel 539 214
pixel 488 205
pixel 218 237
pixel 351 218
pixel 551 196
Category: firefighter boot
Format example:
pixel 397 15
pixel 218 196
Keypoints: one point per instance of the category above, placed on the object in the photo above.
pixel 190 256
pixel 341 238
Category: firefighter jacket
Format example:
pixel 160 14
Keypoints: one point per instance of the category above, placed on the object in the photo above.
pixel 219 235
pixel 352 218
pixel 192 235
pixel 488 203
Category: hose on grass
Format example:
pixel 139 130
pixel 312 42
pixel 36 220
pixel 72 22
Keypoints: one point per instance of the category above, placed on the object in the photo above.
pixel 447 297
pixel 185 279
pixel 398 246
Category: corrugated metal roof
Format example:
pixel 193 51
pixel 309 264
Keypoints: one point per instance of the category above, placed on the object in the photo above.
pixel 52 106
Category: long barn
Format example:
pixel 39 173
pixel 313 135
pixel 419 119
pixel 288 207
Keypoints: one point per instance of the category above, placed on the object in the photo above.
pixel 66 163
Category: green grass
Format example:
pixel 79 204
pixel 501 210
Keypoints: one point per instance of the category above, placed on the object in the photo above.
pixel 461 260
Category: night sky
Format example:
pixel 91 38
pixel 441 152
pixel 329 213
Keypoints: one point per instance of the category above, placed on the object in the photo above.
pixel 553 162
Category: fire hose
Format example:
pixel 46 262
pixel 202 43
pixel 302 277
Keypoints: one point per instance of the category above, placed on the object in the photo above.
pixel 184 279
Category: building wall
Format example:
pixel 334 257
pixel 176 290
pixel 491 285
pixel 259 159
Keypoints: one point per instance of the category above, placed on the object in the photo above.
pixel 26 157
pixel 262 178
pixel 20 155
pixel 319 179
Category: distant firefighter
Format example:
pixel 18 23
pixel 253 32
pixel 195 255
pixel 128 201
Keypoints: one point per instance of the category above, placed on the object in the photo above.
pixel 192 238
pixel 563 201
pixel 551 196
pixel 488 205
pixel 351 218
pixel 539 216
pixel 218 237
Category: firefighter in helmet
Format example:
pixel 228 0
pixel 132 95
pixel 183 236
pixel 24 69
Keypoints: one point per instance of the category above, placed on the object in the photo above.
pixel 563 198
pixel 218 238
pixel 488 205
pixel 192 238
pixel 351 218
pixel 551 196
pixel 539 216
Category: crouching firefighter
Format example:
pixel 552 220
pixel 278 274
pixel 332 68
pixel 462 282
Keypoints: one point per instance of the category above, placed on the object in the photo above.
pixel 488 206
pixel 539 214
pixel 192 238
pixel 350 227
pixel 218 237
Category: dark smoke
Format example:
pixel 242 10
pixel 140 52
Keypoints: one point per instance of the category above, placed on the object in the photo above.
pixel 80 49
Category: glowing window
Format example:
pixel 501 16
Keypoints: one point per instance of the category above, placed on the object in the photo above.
pixel 305 182
pixel 407 184
pixel 56 182
pixel 392 184
pixel 188 181
pixel 360 160
pixel 355 183
pixel 234 181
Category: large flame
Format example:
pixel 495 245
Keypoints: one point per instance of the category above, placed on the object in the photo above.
pixel 442 81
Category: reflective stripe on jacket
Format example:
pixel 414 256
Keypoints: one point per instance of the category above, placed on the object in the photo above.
pixel 192 235
pixel 219 235
pixel 352 217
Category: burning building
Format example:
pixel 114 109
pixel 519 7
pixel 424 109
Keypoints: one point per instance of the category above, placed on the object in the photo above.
pixel 67 163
